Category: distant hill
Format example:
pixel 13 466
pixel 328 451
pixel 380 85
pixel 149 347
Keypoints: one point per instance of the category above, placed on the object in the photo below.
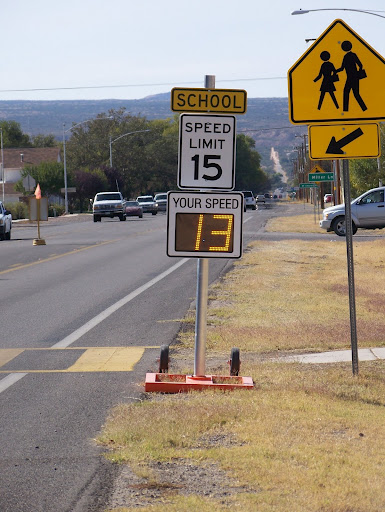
pixel 266 120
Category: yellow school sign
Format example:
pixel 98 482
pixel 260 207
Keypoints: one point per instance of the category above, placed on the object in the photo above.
pixel 339 79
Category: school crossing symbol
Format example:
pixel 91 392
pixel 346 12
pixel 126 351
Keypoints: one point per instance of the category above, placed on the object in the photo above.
pixel 339 79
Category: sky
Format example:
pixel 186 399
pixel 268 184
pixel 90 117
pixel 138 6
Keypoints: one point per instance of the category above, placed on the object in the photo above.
pixel 131 49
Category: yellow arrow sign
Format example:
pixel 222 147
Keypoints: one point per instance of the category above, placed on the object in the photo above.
pixel 329 142
pixel 339 79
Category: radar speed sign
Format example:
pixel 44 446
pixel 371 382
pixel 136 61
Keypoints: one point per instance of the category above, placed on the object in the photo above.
pixel 204 224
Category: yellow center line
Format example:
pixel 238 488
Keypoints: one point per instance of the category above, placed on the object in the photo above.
pixel 55 257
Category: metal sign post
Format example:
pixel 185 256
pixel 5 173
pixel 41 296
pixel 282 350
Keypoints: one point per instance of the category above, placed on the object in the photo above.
pixel 349 249
pixel 202 296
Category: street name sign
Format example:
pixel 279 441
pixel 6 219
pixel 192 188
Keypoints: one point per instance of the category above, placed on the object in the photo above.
pixel 206 157
pixel 308 185
pixel 338 79
pixel 225 101
pixel 204 224
pixel 321 176
pixel 329 142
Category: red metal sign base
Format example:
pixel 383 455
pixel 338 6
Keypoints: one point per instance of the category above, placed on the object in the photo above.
pixel 175 383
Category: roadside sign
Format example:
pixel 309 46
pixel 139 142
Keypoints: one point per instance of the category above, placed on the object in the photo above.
pixel 206 152
pixel 338 79
pixel 226 101
pixel 328 142
pixel 317 168
pixel 321 176
pixel 205 224
pixel 308 185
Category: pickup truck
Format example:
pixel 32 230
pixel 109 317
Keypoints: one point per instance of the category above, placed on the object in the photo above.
pixel 109 204
pixel 368 212
pixel 5 223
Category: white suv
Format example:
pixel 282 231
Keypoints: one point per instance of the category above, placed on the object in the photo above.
pixel 5 223
pixel 250 201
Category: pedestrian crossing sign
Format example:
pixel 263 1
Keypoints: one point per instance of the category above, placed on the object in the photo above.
pixel 340 78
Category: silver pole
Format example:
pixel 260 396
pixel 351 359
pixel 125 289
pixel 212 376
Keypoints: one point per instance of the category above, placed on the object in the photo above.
pixel 349 249
pixel 202 295
pixel 65 172
pixel 2 163
pixel 110 151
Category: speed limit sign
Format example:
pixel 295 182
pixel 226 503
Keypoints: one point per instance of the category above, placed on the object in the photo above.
pixel 206 152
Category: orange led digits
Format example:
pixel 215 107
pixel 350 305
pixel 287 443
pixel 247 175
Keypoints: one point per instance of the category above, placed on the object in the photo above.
pixel 226 233
pixel 199 233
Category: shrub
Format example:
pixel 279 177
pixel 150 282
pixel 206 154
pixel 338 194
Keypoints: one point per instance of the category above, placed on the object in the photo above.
pixel 18 210
pixel 55 210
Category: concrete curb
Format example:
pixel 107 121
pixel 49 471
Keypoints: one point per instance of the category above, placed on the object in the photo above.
pixel 336 356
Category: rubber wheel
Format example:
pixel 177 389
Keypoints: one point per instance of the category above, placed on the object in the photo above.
pixel 8 235
pixel 339 228
pixel 235 362
pixel 97 218
pixel 154 213
pixel 164 359
pixel 122 217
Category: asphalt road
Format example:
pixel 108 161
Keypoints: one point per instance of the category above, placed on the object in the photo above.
pixel 82 320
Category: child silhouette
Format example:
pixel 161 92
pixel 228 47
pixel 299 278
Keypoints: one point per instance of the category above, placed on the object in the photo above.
pixel 329 74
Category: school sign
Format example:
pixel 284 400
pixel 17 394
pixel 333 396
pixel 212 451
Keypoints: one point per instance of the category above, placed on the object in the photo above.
pixel 339 79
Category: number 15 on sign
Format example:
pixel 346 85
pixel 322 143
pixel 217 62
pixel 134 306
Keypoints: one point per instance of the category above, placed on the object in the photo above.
pixel 206 152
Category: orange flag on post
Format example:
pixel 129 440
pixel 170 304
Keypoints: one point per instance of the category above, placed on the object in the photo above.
pixel 38 192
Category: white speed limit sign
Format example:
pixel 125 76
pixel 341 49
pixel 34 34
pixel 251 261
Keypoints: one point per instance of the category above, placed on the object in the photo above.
pixel 206 152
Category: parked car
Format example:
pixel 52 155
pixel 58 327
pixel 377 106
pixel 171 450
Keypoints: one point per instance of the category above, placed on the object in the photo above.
pixel 108 204
pixel 368 212
pixel 133 209
pixel 328 198
pixel 161 199
pixel 260 198
pixel 148 204
pixel 5 223
pixel 250 201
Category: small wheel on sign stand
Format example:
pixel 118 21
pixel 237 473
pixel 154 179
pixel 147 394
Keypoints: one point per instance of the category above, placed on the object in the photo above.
pixel 235 362
pixel 164 359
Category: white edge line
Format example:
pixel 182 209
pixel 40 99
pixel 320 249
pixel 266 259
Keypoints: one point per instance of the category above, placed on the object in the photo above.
pixel 12 378
pixel 68 340
pixel 9 380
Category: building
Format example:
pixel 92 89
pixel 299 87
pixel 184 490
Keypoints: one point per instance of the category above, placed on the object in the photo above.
pixel 15 159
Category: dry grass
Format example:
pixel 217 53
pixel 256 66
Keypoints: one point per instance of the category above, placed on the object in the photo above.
pixel 309 438
pixel 293 295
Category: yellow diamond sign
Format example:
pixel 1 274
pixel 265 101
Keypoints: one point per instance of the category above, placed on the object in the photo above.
pixel 339 79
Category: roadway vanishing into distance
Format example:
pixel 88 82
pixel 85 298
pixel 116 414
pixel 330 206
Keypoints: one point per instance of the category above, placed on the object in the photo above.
pixel 82 320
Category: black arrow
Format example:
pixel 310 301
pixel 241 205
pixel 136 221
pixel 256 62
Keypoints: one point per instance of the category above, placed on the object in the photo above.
pixel 335 147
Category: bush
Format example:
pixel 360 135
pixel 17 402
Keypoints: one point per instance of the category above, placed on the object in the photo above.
pixel 55 210
pixel 18 210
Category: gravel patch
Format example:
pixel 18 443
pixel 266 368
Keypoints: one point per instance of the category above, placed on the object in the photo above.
pixel 179 477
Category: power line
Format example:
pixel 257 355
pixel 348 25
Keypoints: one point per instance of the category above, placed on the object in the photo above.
pixel 137 85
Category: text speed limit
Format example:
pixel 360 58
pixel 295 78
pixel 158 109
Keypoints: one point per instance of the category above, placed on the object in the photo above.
pixel 206 152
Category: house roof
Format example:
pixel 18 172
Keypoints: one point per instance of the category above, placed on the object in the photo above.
pixel 17 158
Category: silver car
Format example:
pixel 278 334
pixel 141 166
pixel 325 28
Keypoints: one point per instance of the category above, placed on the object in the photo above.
pixel 161 200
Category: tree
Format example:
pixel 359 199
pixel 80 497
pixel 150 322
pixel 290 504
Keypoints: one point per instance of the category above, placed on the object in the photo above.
pixel 13 137
pixel 48 174
pixel 88 183
pixel 366 173
pixel 249 175
pixel 44 141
